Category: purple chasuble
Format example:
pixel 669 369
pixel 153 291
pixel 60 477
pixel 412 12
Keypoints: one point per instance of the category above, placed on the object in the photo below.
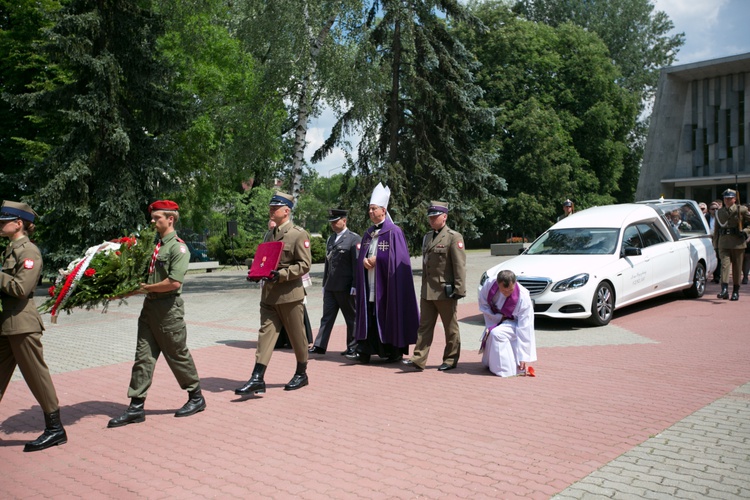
pixel 396 301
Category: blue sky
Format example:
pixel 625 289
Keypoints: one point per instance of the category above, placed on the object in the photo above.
pixel 713 29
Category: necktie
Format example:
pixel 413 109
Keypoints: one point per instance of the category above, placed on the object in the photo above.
pixel 153 258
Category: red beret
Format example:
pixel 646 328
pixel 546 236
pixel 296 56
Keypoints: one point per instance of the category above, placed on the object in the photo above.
pixel 163 205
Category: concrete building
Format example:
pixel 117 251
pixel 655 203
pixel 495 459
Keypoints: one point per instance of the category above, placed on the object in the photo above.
pixel 699 139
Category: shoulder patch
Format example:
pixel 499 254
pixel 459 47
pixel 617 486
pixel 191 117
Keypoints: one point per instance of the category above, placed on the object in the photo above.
pixel 28 264
pixel 460 244
pixel 359 245
pixel 183 249
pixel 307 243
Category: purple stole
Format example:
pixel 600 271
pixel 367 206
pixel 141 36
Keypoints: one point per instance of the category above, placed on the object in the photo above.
pixel 507 310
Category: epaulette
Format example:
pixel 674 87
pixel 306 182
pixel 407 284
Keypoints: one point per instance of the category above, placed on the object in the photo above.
pixel 179 239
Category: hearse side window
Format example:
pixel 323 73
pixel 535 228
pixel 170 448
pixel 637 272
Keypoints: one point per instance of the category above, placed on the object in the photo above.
pixel 650 234
pixel 632 238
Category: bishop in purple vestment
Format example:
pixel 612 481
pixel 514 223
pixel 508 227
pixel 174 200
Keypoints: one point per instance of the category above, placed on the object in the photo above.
pixel 387 316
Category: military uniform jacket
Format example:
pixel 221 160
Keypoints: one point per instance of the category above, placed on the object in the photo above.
pixel 22 266
pixel 727 227
pixel 443 262
pixel 341 262
pixel 171 262
pixel 295 263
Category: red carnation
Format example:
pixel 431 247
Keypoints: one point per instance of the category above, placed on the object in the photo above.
pixel 118 252
pixel 51 291
pixel 89 272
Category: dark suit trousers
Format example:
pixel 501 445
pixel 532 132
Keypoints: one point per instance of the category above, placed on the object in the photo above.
pixel 332 302
pixel 25 349
pixel 429 312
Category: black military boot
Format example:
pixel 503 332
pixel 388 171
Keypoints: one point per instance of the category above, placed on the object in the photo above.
pixel 135 414
pixel 195 403
pixel 735 292
pixel 255 385
pixel 53 434
pixel 300 378
pixel 724 293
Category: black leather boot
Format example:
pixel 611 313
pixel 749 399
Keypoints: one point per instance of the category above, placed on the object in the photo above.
pixel 300 378
pixel 53 434
pixel 255 385
pixel 724 293
pixel 735 292
pixel 135 414
pixel 195 403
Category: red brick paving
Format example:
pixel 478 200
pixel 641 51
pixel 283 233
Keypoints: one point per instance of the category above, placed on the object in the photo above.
pixel 373 431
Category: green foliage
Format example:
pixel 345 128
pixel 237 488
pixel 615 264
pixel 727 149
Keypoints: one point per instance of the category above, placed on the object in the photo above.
pixel 318 249
pixel 233 137
pixel 118 116
pixel 640 43
pixel 418 118
pixel 562 123
pixel 23 68
pixel 111 274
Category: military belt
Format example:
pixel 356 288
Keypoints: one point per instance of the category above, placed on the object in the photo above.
pixel 729 230
pixel 156 296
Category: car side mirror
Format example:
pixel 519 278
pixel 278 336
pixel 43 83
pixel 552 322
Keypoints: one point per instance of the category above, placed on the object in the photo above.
pixel 632 251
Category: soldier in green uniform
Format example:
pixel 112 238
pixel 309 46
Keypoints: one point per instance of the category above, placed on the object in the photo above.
pixel 161 325
pixel 732 230
pixel 21 326
pixel 281 301
pixel 443 283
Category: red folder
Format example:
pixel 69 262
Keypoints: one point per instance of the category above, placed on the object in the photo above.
pixel 266 259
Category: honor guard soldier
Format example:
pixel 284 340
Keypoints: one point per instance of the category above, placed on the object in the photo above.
pixel 21 326
pixel 282 296
pixel 443 283
pixel 568 209
pixel 161 325
pixel 732 220
pixel 342 249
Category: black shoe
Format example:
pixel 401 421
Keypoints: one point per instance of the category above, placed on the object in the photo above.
pixel 135 414
pixel 445 367
pixel 348 352
pixel 299 381
pixel 359 357
pixel 316 350
pixel 410 364
pixel 53 434
pixel 256 384
pixel 195 404
pixel 715 280
pixel 724 293
pixel 744 280
pixel 735 292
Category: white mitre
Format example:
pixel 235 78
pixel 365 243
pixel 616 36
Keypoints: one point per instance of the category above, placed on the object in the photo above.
pixel 380 195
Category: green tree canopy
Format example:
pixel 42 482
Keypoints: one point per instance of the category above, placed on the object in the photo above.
pixel 23 69
pixel 118 115
pixel 562 122
pixel 418 117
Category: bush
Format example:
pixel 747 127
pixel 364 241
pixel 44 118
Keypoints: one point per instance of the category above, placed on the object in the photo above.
pixel 318 249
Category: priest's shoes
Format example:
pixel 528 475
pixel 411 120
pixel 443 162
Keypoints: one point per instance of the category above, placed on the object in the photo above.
pixel 359 357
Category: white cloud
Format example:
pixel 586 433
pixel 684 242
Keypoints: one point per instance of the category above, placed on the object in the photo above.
pixel 713 28
pixel 317 133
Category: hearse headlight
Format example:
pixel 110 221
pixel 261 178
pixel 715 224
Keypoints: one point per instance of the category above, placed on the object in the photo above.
pixel 571 283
